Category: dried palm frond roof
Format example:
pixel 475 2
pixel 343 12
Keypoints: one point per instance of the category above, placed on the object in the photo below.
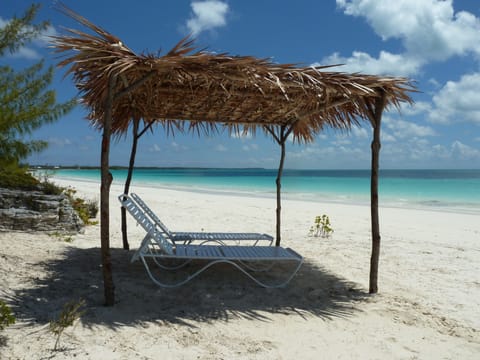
pixel 202 87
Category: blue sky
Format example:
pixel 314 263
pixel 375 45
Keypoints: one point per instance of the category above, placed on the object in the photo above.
pixel 435 43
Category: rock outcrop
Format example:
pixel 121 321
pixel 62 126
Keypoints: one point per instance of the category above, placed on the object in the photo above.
pixel 34 210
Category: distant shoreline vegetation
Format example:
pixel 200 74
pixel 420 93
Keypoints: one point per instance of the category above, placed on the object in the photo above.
pixel 122 167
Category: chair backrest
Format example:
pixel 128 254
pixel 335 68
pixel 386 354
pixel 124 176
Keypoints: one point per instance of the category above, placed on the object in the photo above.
pixel 137 213
pixel 151 214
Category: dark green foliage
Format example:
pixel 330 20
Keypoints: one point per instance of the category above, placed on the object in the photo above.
pixel 51 188
pixel 6 316
pixel 26 103
pixel 13 177
pixel 25 106
pixel 16 33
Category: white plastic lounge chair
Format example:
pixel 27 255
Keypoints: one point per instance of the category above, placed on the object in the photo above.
pixel 156 246
pixel 189 237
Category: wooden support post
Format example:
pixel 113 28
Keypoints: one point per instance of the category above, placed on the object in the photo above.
pixel 375 119
pixel 281 138
pixel 126 189
pixel 278 181
pixel 106 180
pixel 127 91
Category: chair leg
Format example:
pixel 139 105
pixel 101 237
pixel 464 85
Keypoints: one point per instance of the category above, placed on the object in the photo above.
pixel 181 282
pixel 144 246
pixel 198 272
pixel 254 268
pixel 171 268
pixel 263 284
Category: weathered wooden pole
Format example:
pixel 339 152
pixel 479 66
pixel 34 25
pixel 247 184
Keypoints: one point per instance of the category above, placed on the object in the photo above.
pixel 126 189
pixel 133 152
pixel 106 181
pixel 131 166
pixel 281 138
pixel 375 119
pixel 278 181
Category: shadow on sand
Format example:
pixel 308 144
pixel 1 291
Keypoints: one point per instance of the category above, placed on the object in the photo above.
pixel 220 293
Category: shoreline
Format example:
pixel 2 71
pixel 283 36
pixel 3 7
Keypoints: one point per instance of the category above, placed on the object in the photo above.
pixel 315 198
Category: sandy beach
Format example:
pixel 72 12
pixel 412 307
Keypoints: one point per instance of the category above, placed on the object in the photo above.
pixel 428 304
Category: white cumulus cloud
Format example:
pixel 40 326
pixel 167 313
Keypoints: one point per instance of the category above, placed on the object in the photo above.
pixel 386 63
pixel 207 15
pixel 385 136
pixel 402 129
pixel 429 30
pixel 419 107
pixel 462 151
pixel 361 133
pixel 458 101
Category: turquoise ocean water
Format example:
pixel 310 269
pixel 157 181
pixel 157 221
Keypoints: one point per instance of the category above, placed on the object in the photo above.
pixel 449 190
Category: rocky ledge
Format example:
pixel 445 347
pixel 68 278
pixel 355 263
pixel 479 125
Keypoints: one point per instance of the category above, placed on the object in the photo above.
pixel 34 210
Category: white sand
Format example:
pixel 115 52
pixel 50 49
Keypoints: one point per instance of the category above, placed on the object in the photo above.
pixel 428 306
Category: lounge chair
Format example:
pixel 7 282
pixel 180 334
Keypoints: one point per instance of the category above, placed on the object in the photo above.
pixel 157 246
pixel 189 237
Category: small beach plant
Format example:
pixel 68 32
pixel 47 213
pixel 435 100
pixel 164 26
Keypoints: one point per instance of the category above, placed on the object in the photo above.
pixel 321 227
pixel 86 209
pixel 65 237
pixel 67 317
pixel 6 316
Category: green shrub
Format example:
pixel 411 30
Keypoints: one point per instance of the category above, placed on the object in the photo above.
pixel 50 188
pixel 86 209
pixel 6 316
pixel 92 207
pixel 17 178
pixel 46 185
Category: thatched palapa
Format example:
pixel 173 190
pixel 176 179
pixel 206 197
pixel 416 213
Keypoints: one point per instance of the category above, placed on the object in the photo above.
pixel 201 86
pixel 206 90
